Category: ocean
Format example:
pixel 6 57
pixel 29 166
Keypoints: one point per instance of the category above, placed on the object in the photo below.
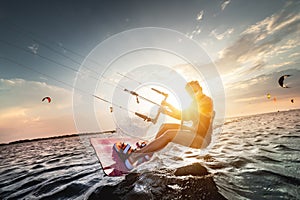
pixel 255 157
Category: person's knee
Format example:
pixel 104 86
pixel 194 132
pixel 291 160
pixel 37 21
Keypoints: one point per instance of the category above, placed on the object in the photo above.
pixel 169 126
pixel 169 135
pixel 164 127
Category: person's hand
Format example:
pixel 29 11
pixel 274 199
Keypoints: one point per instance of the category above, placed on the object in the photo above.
pixel 164 103
pixel 163 109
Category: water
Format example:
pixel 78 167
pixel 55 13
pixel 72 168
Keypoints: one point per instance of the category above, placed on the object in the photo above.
pixel 255 157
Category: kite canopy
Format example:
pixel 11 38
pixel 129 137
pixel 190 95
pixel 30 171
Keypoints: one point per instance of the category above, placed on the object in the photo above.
pixel 281 81
pixel 268 96
pixel 48 98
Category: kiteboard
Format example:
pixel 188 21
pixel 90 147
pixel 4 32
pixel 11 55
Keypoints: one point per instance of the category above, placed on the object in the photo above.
pixel 111 164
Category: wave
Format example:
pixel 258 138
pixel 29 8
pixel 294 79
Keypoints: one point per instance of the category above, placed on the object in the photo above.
pixel 254 157
pixel 266 159
pixel 283 147
pixel 291 136
pixel 274 175
pixel 195 183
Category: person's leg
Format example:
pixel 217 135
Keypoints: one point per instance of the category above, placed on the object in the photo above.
pixel 165 127
pixel 159 142
pixel 155 145
pixel 182 137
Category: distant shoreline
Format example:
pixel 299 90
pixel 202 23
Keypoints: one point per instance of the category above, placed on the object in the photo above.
pixel 113 131
pixel 257 114
pixel 55 137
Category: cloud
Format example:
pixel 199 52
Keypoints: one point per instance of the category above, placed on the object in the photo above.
pixel 225 4
pixel 34 48
pixel 262 42
pixel 194 33
pixel 200 15
pixel 249 99
pixel 250 95
pixel 221 36
pixel 253 68
pixel 13 112
pixel 282 64
pixel 24 115
pixel 274 23
pixel 187 71
pixel 282 48
pixel 246 84
pixel 26 127
pixel 16 92
pixel 197 30
pixel 294 54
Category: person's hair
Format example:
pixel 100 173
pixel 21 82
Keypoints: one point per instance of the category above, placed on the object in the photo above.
pixel 194 84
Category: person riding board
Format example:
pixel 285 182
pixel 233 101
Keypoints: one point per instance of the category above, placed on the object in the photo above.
pixel 198 136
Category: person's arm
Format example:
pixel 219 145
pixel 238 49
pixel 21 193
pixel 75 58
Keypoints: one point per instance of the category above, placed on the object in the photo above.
pixel 171 110
pixel 207 108
pixel 192 112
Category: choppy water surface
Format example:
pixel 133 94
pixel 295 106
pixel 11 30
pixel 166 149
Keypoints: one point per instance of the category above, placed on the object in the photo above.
pixel 256 157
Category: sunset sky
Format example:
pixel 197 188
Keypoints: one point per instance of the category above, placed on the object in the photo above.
pixel 45 44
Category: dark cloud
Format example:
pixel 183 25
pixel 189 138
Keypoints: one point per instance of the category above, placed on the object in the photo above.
pixel 260 40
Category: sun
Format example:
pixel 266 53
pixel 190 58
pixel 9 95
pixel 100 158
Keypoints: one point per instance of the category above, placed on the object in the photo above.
pixel 150 97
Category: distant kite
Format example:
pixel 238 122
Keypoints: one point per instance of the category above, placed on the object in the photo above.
pixel 281 80
pixel 268 96
pixel 292 100
pixel 274 99
pixel 48 98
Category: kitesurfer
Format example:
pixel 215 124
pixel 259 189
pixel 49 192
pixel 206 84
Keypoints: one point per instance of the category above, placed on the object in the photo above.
pixel 198 135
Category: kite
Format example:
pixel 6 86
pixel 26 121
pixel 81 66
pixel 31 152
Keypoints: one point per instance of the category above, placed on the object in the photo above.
pixel 292 100
pixel 281 80
pixel 48 98
pixel 268 96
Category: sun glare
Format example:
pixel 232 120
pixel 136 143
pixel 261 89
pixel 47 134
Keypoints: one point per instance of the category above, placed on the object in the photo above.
pixel 150 97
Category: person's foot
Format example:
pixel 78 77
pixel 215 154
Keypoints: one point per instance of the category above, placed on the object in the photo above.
pixel 137 158
pixel 128 164
pixel 121 152
pixel 141 145
pixel 129 156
